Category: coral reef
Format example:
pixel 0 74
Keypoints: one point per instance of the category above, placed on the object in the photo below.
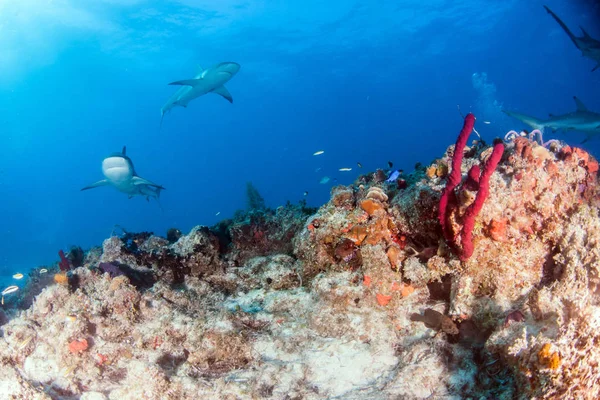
pixel 366 297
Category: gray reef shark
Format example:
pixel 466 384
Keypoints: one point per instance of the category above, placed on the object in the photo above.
pixel 209 80
pixel 589 46
pixel 581 120
pixel 120 173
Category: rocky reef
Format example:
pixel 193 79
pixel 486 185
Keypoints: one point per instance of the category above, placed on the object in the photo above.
pixel 366 297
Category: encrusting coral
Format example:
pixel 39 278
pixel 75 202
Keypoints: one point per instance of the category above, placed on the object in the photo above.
pixel 370 296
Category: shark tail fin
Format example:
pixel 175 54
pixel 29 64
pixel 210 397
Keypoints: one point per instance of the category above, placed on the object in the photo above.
pixel 533 122
pixel 562 25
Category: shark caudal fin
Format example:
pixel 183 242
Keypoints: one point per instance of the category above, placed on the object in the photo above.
pixel 533 122
pixel 562 25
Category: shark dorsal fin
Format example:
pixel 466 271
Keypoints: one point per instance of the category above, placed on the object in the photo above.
pixel 124 150
pixel 579 104
pixel 585 34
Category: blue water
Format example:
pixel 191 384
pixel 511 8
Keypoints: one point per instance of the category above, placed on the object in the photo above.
pixel 365 81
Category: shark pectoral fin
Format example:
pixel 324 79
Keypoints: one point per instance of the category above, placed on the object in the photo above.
pixel 585 34
pixel 222 90
pixel 103 182
pixel 579 104
pixel 136 180
pixel 588 137
pixel 181 103
pixel 187 82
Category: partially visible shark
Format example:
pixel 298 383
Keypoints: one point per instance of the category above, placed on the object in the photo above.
pixel 581 120
pixel 209 80
pixel 589 46
pixel 120 173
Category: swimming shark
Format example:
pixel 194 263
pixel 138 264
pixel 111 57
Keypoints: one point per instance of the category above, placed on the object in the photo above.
pixel 120 173
pixel 582 120
pixel 589 46
pixel 209 80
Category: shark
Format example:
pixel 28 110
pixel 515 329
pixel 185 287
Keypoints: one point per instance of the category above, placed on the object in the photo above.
pixel 589 46
pixel 210 80
pixel 119 172
pixel 582 120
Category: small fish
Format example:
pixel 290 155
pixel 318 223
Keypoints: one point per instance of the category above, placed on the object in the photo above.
pixel 67 371
pixel 345 169
pixel 10 289
pixel 359 165
pixel 25 342
pixel 218 212
pixel 43 271
pixel 318 169
pixel 18 276
pixel 306 193
pixel 487 122
pixel 70 318
pixel 318 153
pixel 324 180
pixel 390 164
pixel 393 176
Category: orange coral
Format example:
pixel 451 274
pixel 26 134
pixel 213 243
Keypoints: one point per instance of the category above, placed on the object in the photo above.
pixel 101 359
pixel 497 229
pixel 61 278
pixel 377 231
pixel 431 171
pixel 367 281
pixel 371 206
pixel 357 234
pixel 77 346
pixel 394 257
pixel 382 299
pixel 548 359
pixel 407 290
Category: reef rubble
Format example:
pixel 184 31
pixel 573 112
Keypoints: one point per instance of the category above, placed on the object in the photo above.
pixel 366 297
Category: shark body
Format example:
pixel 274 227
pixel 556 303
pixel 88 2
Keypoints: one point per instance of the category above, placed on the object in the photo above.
pixel 582 120
pixel 211 80
pixel 119 172
pixel 589 46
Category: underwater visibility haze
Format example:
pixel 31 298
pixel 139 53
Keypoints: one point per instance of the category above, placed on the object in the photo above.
pixel 181 113
pixel 367 83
